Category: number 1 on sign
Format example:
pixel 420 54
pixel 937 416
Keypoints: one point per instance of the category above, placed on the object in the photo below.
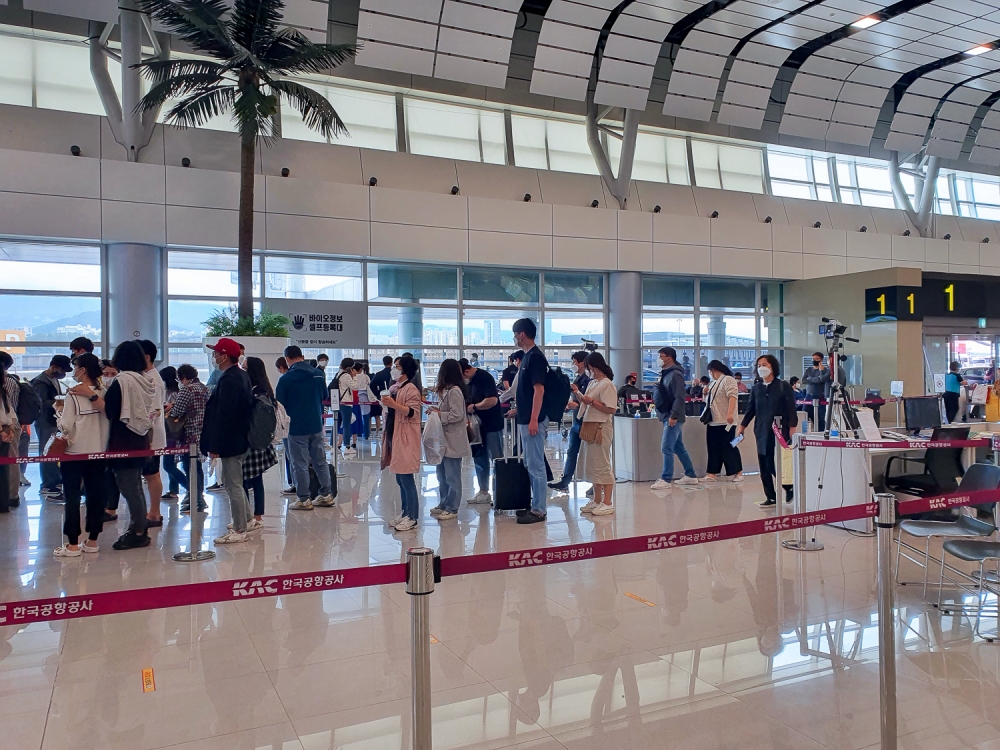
pixel 950 291
pixel 881 303
pixel 910 298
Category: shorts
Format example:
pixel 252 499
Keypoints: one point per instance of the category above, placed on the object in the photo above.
pixel 151 466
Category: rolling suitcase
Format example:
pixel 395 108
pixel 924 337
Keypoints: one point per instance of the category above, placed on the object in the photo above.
pixel 314 482
pixel 511 483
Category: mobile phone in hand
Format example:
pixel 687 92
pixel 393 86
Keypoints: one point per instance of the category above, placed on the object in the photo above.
pixel 736 440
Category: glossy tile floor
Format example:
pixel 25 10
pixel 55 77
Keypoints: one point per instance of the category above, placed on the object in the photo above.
pixel 734 644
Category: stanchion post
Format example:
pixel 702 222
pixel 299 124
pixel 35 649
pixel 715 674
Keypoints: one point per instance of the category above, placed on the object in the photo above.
pixel 886 619
pixel 194 553
pixel 419 585
pixel 800 543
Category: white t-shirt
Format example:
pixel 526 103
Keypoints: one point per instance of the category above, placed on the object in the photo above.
pixel 159 428
pixel 603 391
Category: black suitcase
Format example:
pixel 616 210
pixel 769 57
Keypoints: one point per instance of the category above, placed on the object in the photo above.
pixel 314 482
pixel 511 482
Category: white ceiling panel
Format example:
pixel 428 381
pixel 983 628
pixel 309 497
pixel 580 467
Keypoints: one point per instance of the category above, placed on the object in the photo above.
pixel 566 45
pixel 92 10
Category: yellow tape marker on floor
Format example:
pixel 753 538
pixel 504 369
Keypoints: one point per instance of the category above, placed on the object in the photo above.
pixel 148 685
pixel 639 599
pixel 434 640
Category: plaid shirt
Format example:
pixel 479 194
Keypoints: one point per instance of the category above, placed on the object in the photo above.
pixel 191 402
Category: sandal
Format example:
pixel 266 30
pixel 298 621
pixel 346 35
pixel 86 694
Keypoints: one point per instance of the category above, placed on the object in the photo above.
pixel 154 523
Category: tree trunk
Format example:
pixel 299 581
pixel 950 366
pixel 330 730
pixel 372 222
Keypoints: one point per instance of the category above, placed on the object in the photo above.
pixel 244 267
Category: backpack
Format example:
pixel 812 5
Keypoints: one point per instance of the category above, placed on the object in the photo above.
pixel 283 422
pixel 557 393
pixel 263 423
pixel 29 404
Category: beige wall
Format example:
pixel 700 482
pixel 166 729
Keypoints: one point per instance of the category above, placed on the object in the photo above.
pixel 890 351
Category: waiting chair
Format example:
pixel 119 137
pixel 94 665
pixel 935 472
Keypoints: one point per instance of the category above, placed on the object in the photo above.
pixel 942 467
pixel 974 551
pixel 978 477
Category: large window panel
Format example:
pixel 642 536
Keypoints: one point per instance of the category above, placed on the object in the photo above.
pixel 651 367
pixel 395 282
pixel 186 318
pixel 658 291
pixel 419 327
pixel 370 117
pixel 454 132
pixel 63 80
pixel 16 71
pixel 574 288
pixel 49 317
pixel 658 158
pixel 494 361
pixel 192 274
pixel 566 328
pixel 529 142
pixel 49 268
pixel 312 278
pixel 500 286
pixel 718 331
pixel 728 295
pixel 568 150
pixel 492 327
pixel 29 361
pixel 668 329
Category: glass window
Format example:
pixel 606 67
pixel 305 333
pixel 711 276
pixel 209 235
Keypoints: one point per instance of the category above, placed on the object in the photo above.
pixel 312 278
pixel 485 285
pixel 529 142
pixel 844 175
pixel 821 171
pixel 570 328
pixel 824 194
pixel 63 79
pixel 49 268
pixel 574 288
pixel 771 297
pixel 721 165
pixel 15 71
pixel 727 330
pixel 197 357
pixel 492 327
pixel 772 330
pixel 787 167
pixel 394 282
pixel 728 295
pixel 49 318
pixel 873 178
pixel 879 200
pixel 206 275
pixel 492 360
pixel 668 329
pixel 739 360
pixel 29 361
pixel 658 158
pixel 568 150
pixel 986 192
pixel 791 190
pixel 421 327
pixel 659 291
pixel 370 117
pixel 186 318
pixel 454 132
pixel 706 164
pixel 651 367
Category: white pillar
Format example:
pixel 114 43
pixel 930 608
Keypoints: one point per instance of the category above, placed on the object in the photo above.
pixel 625 324
pixel 131 32
pixel 135 275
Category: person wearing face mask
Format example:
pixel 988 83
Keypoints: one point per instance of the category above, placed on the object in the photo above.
pixel 669 399
pixel 581 381
pixel 770 398
pixel 722 398
pixel 48 388
pixel 483 400
pixel 321 362
pixel 381 381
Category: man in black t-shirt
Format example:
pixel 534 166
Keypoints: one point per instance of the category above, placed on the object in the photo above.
pixel 531 423
pixel 507 376
pixel 484 402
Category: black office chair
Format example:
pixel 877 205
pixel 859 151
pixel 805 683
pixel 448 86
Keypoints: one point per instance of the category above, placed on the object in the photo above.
pixel 942 467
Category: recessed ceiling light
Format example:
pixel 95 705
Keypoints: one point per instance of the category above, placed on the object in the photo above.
pixel 980 49
pixel 865 23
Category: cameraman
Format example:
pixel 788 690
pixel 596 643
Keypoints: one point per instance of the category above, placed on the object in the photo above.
pixel 818 381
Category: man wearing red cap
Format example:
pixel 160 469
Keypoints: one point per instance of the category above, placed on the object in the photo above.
pixel 226 431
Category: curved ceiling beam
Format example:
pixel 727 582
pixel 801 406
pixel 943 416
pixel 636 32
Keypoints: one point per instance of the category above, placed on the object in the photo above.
pixel 839 91
pixel 987 148
pixel 951 127
pixel 941 93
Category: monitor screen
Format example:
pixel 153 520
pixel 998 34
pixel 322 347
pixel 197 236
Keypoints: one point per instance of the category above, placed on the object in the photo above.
pixel 922 412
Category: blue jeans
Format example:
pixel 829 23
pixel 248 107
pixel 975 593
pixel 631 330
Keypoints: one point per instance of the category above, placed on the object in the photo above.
pixel 572 452
pixel 408 494
pixel 174 473
pixel 306 449
pixel 449 474
pixel 670 444
pixel 257 485
pixel 49 471
pixel 534 462
pixel 484 455
pixel 186 484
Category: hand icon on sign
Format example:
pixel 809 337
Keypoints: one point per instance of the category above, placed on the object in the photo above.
pixel 298 322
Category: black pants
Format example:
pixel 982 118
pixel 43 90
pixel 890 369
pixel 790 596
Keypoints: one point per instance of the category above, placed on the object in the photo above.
pixel 128 475
pixel 767 468
pixel 257 485
pixel 950 405
pixel 84 478
pixel 111 492
pixel 721 453
pixel 817 417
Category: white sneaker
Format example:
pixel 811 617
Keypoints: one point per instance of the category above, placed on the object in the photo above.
pixel 436 511
pixel 481 498
pixel 589 507
pixel 231 537
pixel 65 551
pixel 90 550
pixel 446 515
pixel 301 505
pixel 710 479
pixel 661 485
pixel 738 479
pixel 406 524
pixel 324 501
pixel 254 525
pixel 395 521
pixel 687 481
pixel 603 510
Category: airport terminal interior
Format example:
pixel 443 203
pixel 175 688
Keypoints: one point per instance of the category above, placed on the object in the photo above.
pixel 759 190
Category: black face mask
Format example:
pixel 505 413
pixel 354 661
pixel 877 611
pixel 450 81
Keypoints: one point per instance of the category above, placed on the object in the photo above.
pixel 817 362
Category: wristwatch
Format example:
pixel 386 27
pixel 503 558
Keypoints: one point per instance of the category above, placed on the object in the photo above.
pixel 94 398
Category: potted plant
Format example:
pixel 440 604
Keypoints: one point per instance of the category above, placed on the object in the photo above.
pixel 263 335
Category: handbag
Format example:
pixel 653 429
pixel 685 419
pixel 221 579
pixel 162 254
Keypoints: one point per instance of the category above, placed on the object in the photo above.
pixel 57 446
pixel 706 413
pixel 175 428
pixel 590 432
pixel 473 426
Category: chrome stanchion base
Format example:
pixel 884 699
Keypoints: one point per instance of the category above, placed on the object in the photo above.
pixel 802 546
pixel 196 556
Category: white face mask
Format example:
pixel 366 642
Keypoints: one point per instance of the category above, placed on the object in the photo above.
pixel 242 360
pixel 395 373
pixel 764 372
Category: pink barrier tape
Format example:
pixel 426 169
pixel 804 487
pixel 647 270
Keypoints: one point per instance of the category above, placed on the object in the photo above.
pixel 93 456
pixel 456 566
pixel 820 443
pixel 137 600
pixel 779 437
pixel 951 500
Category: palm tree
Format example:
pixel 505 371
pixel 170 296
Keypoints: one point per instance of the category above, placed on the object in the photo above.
pixel 248 59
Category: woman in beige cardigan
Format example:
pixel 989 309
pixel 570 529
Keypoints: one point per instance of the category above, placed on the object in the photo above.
pixel 402 442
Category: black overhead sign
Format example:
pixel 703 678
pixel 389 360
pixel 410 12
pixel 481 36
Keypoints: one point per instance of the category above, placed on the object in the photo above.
pixel 938 297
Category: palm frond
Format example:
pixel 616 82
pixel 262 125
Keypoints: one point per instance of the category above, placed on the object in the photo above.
pixel 200 23
pixel 198 109
pixel 256 22
pixel 254 112
pixel 176 87
pixel 161 70
pixel 292 54
pixel 317 113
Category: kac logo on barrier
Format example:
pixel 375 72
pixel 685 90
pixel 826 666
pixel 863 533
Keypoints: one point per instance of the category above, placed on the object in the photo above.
pixel 777 524
pixel 255 588
pixel 661 542
pixel 520 559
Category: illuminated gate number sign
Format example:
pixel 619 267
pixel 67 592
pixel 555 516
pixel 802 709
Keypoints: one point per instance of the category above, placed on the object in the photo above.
pixel 939 297
pixel 891 303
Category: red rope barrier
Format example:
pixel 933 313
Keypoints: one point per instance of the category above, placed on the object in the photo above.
pixel 93 456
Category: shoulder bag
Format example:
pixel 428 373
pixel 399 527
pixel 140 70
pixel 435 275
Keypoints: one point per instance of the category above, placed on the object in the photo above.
pixel 590 432
pixel 706 413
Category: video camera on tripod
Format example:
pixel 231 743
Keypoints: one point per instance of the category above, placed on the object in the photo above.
pixel 839 408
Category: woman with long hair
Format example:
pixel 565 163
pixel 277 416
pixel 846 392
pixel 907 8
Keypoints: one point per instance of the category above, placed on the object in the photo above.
pixel 722 400
pixel 401 440
pixel 258 461
pixel 599 403
pixel 345 385
pixel 771 397
pixel 450 389
pixel 81 421
pixel 171 387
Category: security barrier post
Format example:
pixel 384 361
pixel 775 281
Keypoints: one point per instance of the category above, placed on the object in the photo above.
pixel 194 553
pixel 800 543
pixel 419 584
pixel 884 524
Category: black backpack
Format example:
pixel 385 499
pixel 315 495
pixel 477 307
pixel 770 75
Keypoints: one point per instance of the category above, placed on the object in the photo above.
pixel 263 423
pixel 557 393
pixel 29 404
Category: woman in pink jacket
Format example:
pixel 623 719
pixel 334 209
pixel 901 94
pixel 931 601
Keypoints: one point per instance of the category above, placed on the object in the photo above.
pixel 402 441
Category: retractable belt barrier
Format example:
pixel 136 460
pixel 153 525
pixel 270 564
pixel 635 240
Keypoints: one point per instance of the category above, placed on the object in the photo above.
pixel 808 442
pixel 183 451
